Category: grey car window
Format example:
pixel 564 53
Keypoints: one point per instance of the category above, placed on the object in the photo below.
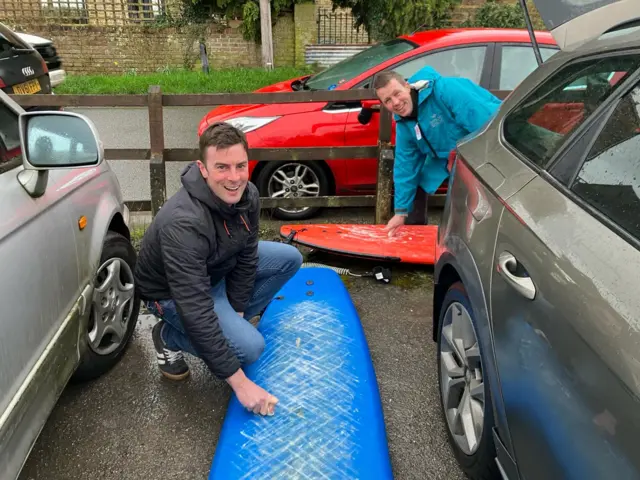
pixel 9 136
pixel 609 179
pixel 466 62
pixel 542 122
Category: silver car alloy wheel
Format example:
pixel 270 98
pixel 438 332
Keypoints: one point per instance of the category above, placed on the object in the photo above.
pixel 462 383
pixel 293 180
pixel 112 306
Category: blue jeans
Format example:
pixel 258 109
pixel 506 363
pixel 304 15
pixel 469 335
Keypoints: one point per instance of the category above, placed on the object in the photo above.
pixel 277 263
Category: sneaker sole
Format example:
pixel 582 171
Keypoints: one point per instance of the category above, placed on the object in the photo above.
pixel 176 377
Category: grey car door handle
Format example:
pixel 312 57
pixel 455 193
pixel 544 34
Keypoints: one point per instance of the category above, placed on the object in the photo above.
pixel 507 264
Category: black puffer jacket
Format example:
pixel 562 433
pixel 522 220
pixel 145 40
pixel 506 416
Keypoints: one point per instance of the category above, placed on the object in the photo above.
pixel 193 242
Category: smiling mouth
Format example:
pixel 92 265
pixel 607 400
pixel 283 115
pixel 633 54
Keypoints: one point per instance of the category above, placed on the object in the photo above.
pixel 234 189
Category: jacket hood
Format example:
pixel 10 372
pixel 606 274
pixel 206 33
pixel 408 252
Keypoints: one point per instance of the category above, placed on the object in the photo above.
pixel 195 184
pixel 422 81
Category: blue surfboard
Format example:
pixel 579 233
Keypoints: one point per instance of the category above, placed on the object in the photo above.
pixel 328 422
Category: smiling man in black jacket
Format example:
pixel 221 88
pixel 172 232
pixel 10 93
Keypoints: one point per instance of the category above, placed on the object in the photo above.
pixel 203 272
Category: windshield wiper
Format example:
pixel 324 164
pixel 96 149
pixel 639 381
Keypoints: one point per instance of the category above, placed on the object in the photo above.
pixel 304 83
pixel 22 50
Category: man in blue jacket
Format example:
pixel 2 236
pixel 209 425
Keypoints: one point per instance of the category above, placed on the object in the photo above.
pixel 432 113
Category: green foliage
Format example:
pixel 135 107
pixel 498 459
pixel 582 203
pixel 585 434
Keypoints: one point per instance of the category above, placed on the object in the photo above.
pixel 386 19
pixel 250 27
pixel 502 15
pixel 247 10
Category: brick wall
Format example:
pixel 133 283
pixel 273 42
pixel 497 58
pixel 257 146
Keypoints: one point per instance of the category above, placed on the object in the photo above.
pixel 305 29
pixel 97 49
pixel 466 10
pixel 89 49
pixel 284 42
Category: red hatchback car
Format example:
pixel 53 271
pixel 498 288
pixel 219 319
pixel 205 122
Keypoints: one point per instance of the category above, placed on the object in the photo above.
pixel 497 59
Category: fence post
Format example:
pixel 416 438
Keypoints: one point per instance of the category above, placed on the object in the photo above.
pixel 157 172
pixel 385 169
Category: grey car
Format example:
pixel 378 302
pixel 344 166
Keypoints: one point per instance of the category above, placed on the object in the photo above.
pixel 67 293
pixel 537 296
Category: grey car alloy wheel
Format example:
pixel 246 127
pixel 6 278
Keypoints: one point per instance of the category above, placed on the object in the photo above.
pixel 112 306
pixel 293 180
pixel 462 384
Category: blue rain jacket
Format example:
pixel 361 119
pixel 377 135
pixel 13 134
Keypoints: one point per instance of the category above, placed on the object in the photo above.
pixel 449 109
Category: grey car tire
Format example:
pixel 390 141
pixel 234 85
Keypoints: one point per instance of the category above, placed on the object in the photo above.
pixel 117 253
pixel 460 374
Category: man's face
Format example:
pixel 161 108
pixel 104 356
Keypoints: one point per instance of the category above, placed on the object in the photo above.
pixel 226 171
pixel 396 97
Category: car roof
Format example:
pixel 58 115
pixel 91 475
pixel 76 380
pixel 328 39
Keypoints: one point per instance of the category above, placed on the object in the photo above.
pixel 471 35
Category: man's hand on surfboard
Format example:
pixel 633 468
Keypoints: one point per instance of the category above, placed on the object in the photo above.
pixel 252 397
pixel 394 224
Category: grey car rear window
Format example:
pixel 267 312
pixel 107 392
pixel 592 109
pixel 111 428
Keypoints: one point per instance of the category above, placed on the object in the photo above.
pixel 543 121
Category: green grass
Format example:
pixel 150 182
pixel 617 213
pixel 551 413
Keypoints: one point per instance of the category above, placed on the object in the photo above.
pixel 236 80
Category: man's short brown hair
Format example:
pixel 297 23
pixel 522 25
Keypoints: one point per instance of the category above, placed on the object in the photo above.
pixel 221 135
pixel 382 79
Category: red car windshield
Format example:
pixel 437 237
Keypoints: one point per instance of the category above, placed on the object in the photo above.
pixel 351 67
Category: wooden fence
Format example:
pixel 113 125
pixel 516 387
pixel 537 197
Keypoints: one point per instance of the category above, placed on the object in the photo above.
pixel 158 155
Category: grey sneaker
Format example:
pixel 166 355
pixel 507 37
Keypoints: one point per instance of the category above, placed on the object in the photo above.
pixel 171 362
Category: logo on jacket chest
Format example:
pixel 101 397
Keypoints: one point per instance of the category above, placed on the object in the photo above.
pixel 435 120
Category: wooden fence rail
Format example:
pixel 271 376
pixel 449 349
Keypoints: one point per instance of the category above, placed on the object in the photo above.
pixel 158 155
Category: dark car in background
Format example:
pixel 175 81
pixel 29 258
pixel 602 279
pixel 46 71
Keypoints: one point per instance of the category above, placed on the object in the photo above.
pixel 22 69
pixel 47 49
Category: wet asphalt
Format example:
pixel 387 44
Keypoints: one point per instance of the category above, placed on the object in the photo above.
pixel 135 424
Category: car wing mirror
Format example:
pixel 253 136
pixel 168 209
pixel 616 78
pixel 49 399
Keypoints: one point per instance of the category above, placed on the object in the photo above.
pixel 368 109
pixel 53 140
pixel 371 105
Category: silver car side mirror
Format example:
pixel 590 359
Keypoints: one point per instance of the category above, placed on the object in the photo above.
pixel 52 141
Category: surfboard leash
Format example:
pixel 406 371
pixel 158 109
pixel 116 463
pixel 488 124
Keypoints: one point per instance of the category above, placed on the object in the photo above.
pixel 292 235
pixel 381 274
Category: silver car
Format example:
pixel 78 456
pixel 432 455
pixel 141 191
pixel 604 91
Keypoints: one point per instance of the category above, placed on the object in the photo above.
pixel 67 293
pixel 537 298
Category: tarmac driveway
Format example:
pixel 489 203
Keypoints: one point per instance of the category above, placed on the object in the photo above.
pixel 134 424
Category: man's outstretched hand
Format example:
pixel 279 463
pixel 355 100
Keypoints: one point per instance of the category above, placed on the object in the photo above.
pixel 394 224
pixel 252 397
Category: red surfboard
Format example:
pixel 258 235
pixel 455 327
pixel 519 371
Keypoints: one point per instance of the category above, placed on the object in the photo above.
pixel 411 244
